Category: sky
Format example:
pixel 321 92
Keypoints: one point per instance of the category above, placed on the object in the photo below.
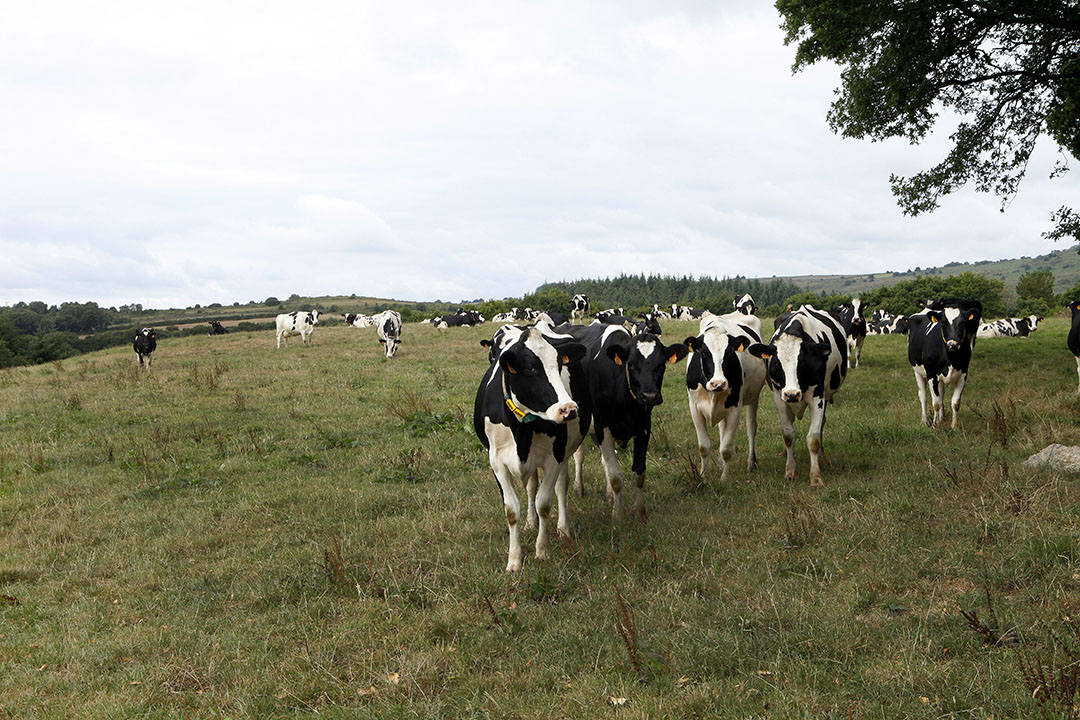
pixel 199 152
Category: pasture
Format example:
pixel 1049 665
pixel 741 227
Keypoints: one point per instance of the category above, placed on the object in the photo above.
pixel 248 532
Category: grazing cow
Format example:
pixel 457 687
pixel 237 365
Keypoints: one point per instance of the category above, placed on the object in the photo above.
pixel 358 321
pixel 296 323
pixel 806 362
pixel 388 324
pixel 1009 327
pixel 216 328
pixel 626 378
pixel 531 412
pixel 745 304
pixel 685 313
pixel 851 314
pixel 1074 335
pixel 721 378
pixel 145 344
pixel 941 339
pixel 579 307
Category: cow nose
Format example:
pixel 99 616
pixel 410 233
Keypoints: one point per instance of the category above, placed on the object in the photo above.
pixel 952 344
pixel 650 398
pixel 717 385
pixel 792 396
pixel 568 411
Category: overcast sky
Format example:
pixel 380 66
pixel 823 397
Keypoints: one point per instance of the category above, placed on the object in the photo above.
pixel 204 152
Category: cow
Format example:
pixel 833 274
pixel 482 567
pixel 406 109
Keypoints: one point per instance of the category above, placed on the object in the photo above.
pixel 745 304
pixel 851 314
pixel 358 321
pixel 884 323
pixel 610 312
pixel 579 307
pixel 552 317
pixel 296 323
pixel 806 363
pixel 145 344
pixel 531 413
pixel 388 325
pixel 661 314
pixel 721 378
pixel 462 318
pixel 1074 336
pixel 941 340
pixel 216 328
pixel 1009 327
pixel 649 323
pixel 506 317
pixel 626 377
pixel 685 313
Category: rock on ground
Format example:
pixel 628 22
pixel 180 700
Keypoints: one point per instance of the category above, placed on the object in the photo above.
pixel 1059 457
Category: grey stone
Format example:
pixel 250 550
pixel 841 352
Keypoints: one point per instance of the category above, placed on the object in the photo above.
pixel 1058 457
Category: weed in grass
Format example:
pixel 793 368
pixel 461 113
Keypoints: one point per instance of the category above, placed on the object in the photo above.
pixel 35 461
pixel 408 402
pixel 992 635
pixel 506 620
pixel 544 589
pixel 73 401
pixel 239 401
pixel 647 665
pixel 801 525
pixel 1052 674
pixel 690 472
pixel 334 566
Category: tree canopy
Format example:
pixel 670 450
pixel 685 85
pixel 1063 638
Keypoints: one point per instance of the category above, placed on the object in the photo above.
pixel 1010 69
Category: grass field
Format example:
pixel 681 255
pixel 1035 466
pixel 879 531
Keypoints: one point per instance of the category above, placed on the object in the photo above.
pixel 247 532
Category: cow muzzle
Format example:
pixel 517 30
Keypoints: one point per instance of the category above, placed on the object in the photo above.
pixel 650 398
pixel 566 412
pixel 716 385
pixel 792 396
pixel 952 344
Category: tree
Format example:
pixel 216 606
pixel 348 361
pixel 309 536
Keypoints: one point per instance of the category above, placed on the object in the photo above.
pixel 1009 69
pixel 1036 292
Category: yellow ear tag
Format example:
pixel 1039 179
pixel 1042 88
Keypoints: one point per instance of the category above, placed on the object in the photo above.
pixel 673 359
pixel 971 316
pixel 933 319
pixel 511 369
pixel 618 360
pixel 765 356
pixel 742 346
pixel 566 359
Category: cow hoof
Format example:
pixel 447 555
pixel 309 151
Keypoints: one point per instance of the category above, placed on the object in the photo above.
pixel 513 566
pixel 642 515
pixel 543 555
pixel 563 533
pixel 751 466
pixel 816 482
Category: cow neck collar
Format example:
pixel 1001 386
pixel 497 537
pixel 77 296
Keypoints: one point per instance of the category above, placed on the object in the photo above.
pixel 521 415
pixel 626 367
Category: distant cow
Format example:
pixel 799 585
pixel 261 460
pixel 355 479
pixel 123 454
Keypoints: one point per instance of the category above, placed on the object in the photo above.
pixel 851 314
pixel 941 340
pixel 1074 335
pixel 806 363
pixel 885 323
pixel 296 323
pixel 358 321
pixel 462 318
pixel 388 324
pixel 721 378
pixel 579 307
pixel 602 315
pixel 626 378
pixel 145 344
pixel 745 304
pixel 685 313
pixel 661 314
pixel 509 316
pixel 1009 327
pixel 216 328
pixel 531 413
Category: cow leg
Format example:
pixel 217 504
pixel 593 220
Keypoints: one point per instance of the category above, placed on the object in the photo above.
pixel 1078 373
pixel 613 475
pixel 552 468
pixel 530 494
pixel 563 527
pixel 787 427
pixel 813 440
pixel 579 470
pixel 729 423
pixel 858 350
pixel 751 435
pixel 920 384
pixel 937 400
pixel 956 394
pixel 641 449
pixel 149 360
pixel 513 514
pixel 701 427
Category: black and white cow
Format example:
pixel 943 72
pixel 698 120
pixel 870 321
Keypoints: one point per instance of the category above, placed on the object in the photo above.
pixel 296 323
pixel 512 315
pixel 626 378
pixel 388 325
pixel 745 304
pixel 462 318
pixel 1074 336
pixel 216 328
pixel 1009 327
pixel 806 362
pixel 603 315
pixel 885 323
pixel 851 313
pixel 145 344
pixel 685 313
pixel 531 413
pixel 552 317
pixel 649 323
pixel 579 307
pixel 358 321
pixel 941 340
pixel 722 377
pixel 661 314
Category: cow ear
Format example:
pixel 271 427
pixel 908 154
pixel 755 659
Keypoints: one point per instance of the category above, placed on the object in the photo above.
pixel 508 361
pixel 382 341
pixel 694 343
pixel 617 353
pixel 676 352
pixel 571 351
pixel 821 349
pixel 485 343
pixel 762 351
pixel 739 343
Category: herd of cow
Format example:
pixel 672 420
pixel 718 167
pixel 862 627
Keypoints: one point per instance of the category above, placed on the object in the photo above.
pixel 552 381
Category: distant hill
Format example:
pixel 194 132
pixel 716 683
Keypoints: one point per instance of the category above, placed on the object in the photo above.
pixel 1065 264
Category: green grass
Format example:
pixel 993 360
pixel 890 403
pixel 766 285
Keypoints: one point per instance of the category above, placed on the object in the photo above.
pixel 250 533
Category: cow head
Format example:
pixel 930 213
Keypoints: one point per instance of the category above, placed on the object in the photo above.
pixel 649 324
pixel 536 377
pixel 644 361
pixel 745 304
pixel 791 359
pixel 715 350
pixel 958 319
pixel 313 317
pixel 390 345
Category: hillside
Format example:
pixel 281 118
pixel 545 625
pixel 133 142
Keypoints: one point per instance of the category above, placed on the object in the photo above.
pixel 1065 264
